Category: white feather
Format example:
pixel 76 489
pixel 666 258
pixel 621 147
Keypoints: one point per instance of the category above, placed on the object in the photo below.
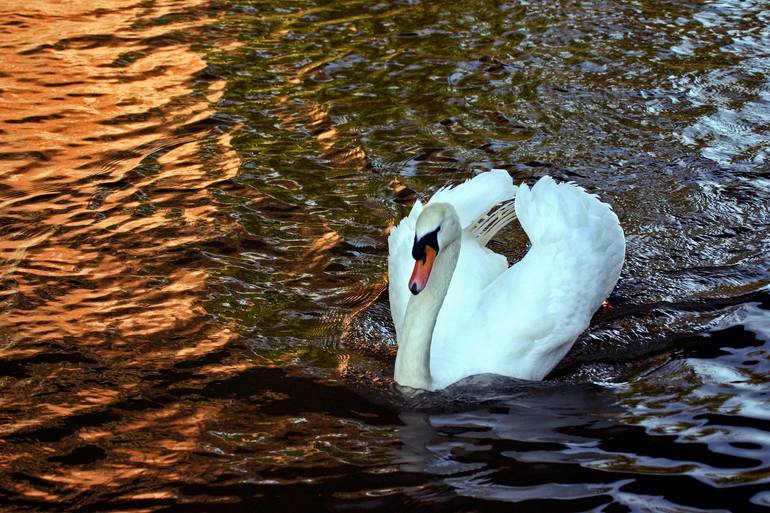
pixel 518 321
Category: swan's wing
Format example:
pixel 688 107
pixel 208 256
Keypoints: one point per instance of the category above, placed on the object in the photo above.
pixel 488 224
pixel 478 195
pixel 533 312
pixel 400 264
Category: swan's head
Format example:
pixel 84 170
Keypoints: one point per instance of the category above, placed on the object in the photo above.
pixel 437 227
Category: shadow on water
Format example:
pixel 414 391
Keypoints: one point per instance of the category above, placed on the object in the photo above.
pixel 194 203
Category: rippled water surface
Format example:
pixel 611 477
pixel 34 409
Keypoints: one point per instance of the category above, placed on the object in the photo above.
pixel 194 201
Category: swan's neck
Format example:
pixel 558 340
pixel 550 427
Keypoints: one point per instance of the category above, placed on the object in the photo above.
pixel 413 357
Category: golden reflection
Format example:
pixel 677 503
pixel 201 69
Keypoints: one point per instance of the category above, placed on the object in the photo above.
pixel 341 148
pixel 105 193
pixel 96 94
pixel 316 257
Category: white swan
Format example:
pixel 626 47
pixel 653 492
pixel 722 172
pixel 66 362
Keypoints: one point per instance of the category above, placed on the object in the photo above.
pixel 459 310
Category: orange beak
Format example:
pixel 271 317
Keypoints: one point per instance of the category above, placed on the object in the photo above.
pixel 421 271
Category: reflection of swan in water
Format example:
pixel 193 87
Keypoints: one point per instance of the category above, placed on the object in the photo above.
pixel 468 313
pixel 536 418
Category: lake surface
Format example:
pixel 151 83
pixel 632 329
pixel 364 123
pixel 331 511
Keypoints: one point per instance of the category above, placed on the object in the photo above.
pixel 194 202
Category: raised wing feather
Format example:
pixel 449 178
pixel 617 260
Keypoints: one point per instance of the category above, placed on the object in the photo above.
pixel 478 195
pixel 487 225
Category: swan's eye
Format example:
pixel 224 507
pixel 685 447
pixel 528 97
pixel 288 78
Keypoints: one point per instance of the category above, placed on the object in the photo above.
pixel 429 240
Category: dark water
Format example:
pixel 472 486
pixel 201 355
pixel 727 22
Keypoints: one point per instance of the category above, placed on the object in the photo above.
pixel 194 198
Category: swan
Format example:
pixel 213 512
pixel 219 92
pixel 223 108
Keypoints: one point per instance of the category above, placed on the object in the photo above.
pixel 460 310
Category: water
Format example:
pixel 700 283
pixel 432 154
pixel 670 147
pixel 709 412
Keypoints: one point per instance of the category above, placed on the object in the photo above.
pixel 195 197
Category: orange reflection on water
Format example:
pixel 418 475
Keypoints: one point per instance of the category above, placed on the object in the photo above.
pixel 107 167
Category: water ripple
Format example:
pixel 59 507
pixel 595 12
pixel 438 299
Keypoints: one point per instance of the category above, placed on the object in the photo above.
pixel 194 205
